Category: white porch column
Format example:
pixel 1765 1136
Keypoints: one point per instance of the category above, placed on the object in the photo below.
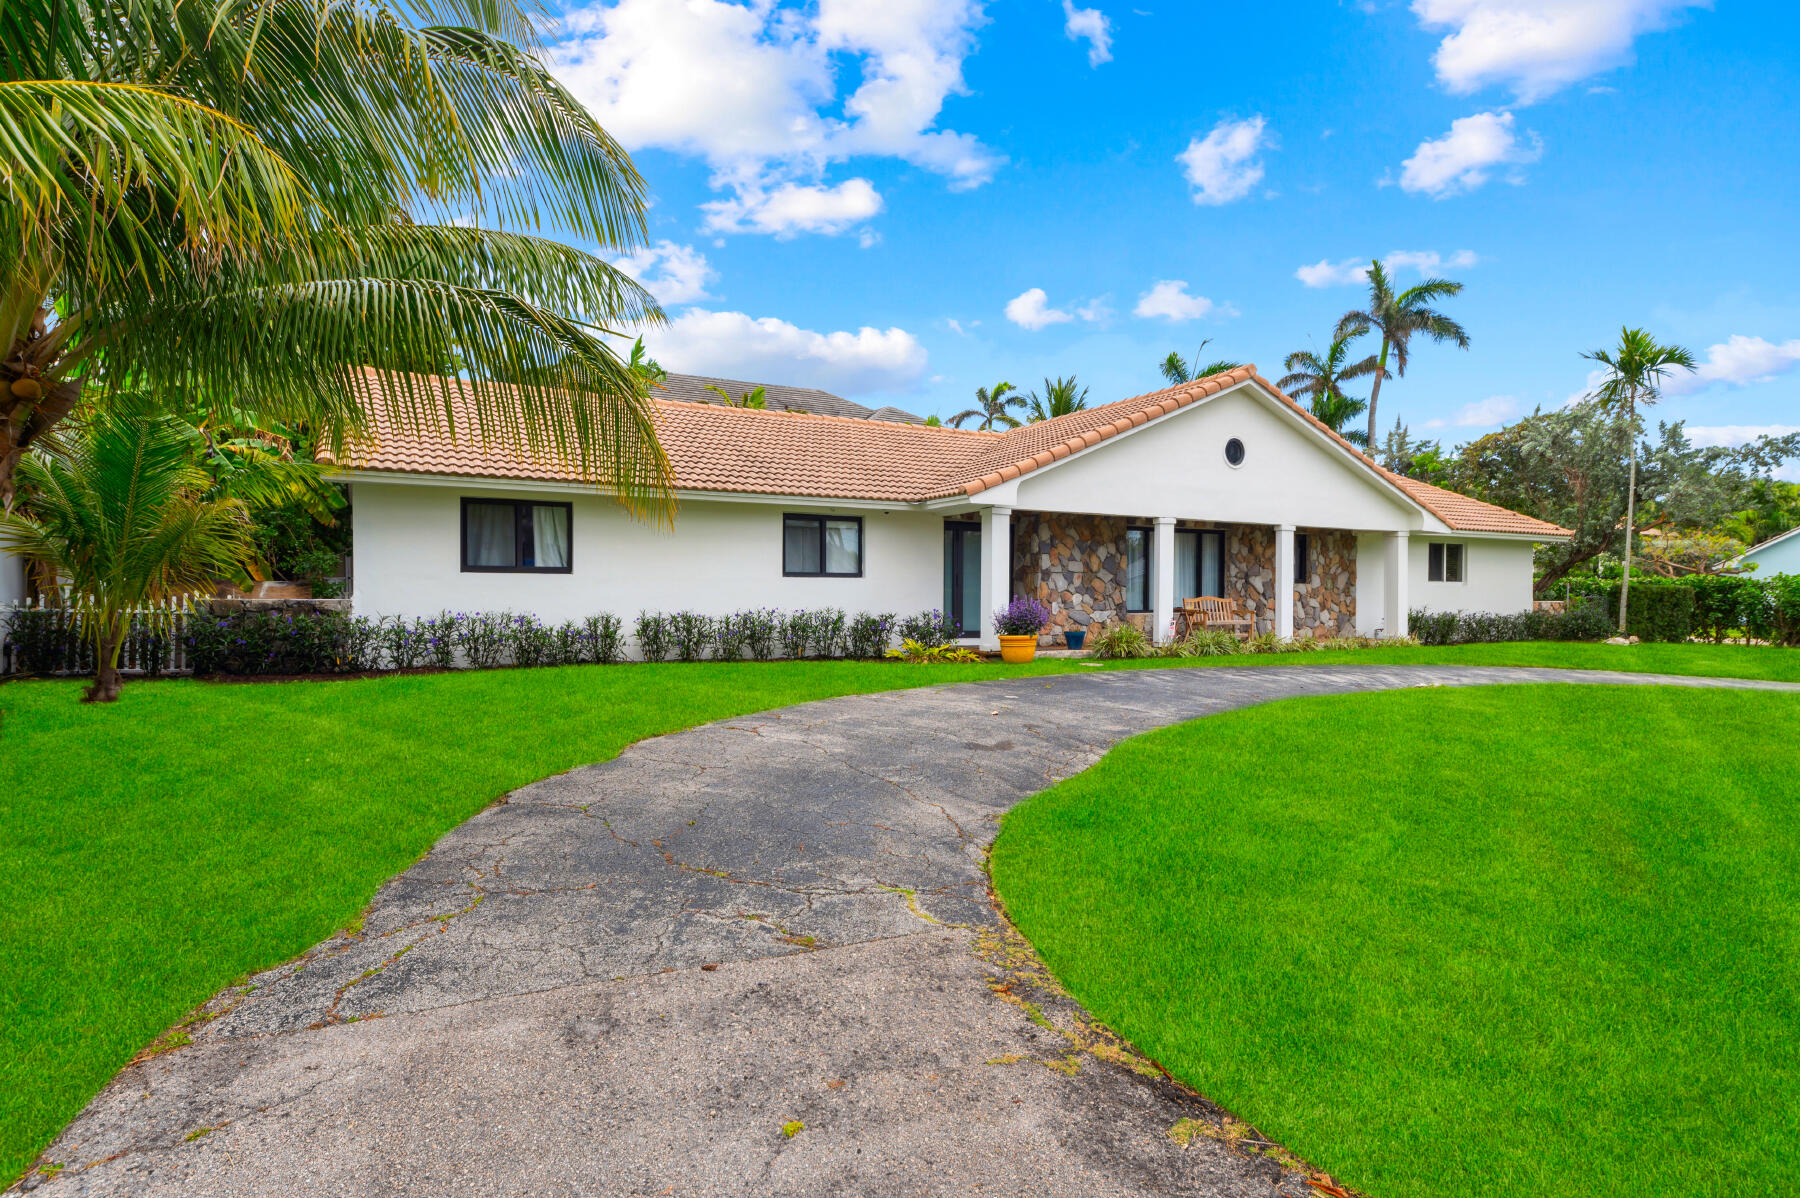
pixel 1394 598
pixel 1162 579
pixel 996 570
pixel 1284 581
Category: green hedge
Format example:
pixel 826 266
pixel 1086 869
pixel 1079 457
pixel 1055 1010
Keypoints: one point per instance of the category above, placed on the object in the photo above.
pixel 1711 607
pixel 1657 611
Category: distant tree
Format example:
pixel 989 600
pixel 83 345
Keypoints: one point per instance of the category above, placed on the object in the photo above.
pixel 1569 467
pixel 934 422
pixel 1771 507
pixel 1397 316
pixel 1176 369
pixel 1060 398
pixel 1634 376
pixel 1320 379
pixel 645 368
pixel 116 519
pixel 992 408
pixel 1423 460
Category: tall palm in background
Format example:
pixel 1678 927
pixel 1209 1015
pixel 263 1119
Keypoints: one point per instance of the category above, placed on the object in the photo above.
pixel 1179 370
pixel 1397 316
pixel 1634 376
pixel 1321 379
pixel 119 519
pixel 992 407
pixel 1060 398
pixel 227 202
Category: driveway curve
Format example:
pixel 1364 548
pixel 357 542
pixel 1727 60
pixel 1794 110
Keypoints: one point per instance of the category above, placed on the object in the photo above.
pixel 638 977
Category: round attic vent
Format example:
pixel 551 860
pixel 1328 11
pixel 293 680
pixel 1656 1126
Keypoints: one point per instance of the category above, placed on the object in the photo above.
pixel 1234 452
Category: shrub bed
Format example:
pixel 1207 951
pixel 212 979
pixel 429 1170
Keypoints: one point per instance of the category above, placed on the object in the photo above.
pixel 1583 620
pixel 304 643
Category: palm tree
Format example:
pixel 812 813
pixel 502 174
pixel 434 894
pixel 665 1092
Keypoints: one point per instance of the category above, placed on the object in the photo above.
pixel 265 197
pixel 1321 379
pixel 1634 375
pixel 1060 398
pixel 117 518
pixel 992 408
pixel 757 397
pixel 1397 317
pixel 1175 368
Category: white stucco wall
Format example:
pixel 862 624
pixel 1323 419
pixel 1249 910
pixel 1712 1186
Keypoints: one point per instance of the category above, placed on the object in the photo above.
pixel 1176 467
pixel 721 557
pixel 12 578
pixel 1496 578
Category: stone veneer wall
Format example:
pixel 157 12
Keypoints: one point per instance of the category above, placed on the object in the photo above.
pixel 1075 565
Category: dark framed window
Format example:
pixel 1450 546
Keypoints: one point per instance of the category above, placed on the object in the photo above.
pixel 517 536
pixel 1234 452
pixel 1302 557
pixel 822 546
pixel 1444 561
pixel 1137 569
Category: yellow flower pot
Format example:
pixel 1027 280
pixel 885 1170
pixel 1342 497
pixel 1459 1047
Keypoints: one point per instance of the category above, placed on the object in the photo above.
pixel 1017 649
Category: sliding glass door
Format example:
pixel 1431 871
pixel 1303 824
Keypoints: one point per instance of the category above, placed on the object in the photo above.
pixel 962 575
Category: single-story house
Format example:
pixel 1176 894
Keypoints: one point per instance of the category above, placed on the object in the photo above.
pixel 1777 555
pixel 1223 486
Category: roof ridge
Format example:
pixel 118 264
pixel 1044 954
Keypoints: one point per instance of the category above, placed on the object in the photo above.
pixel 798 414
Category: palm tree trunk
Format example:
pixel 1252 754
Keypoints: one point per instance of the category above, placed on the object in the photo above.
pixel 1375 393
pixel 107 679
pixel 1630 519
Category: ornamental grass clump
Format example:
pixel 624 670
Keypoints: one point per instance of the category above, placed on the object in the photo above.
pixel 1122 642
pixel 1024 616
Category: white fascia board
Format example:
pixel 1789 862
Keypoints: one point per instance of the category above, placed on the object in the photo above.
pixel 548 486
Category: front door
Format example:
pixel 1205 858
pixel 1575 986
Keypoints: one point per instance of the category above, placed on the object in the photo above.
pixel 962 575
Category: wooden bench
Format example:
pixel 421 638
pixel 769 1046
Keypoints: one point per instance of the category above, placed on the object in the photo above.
pixel 1211 611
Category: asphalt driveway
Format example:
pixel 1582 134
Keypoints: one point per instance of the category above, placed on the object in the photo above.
pixel 637 978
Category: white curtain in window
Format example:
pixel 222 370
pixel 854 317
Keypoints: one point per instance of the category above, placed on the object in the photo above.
pixel 1187 564
pixel 492 538
pixel 550 536
pixel 843 547
pixel 800 550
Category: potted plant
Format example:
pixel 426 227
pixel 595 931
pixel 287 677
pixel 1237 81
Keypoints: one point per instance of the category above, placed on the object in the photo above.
pixel 1018 624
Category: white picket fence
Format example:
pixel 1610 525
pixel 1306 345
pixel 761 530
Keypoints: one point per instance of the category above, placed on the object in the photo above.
pixel 45 625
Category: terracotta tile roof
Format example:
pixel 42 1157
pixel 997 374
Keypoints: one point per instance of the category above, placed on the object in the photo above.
pixel 744 451
pixel 1472 515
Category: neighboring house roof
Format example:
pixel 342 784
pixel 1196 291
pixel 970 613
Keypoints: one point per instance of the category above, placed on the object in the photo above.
pixel 712 447
pixel 692 388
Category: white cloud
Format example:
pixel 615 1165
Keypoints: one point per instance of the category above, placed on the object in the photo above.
pixel 1223 166
pixel 1486 413
pixel 1537 47
pixel 792 208
pixel 1738 361
pixel 1705 435
pixel 1326 273
pixel 674 274
pixel 1031 310
pixel 1097 310
pixel 1169 300
pixel 753 88
pixel 735 345
pixel 1465 157
pixel 1091 25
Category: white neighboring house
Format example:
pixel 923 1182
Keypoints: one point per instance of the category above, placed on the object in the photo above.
pixel 1220 487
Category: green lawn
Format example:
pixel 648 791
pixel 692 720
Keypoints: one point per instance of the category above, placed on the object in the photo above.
pixel 1522 941
pixel 195 832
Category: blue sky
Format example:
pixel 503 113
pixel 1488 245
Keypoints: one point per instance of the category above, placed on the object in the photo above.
pixel 868 195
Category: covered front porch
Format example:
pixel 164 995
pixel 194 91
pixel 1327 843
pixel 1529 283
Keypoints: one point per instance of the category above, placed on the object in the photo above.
pixel 1093 571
